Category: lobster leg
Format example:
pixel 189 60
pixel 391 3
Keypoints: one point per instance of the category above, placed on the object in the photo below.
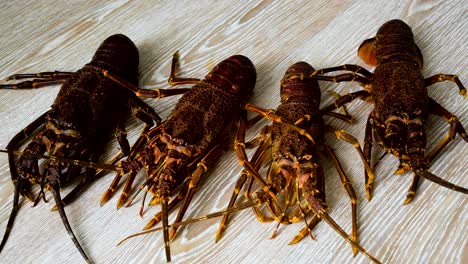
pixel 24 134
pixel 345 77
pixel 56 75
pixel 134 162
pixel 172 205
pixel 123 142
pixel 239 146
pixel 306 230
pixel 363 95
pixel 254 120
pixel 55 189
pixel 127 188
pixel 135 158
pixel 261 217
pixel 346 67
pixel 121 135
pixel 352 195
pixel 148 93
pixel 446 77
pixel 253 143
pixel 36 83
pixel 412 190
pixel 237 188
pixel 270 114
pixel 124 196
pixel 295 199
pixel 256 160
pixel 321 212
pixel 74 171
pixel 143 111
pixel 108 193
pixel 455 127
pixel 20 185
pixel 90 155
pixel 346 118
pixel 160 93
pixel 173 80
pixel 378 160
pixel 292 197
pixel 368 150
pixel 298 213
pixel 44 79
pixel 82 185
pixel 141 141
pixel 156 93
pixel 202 167
pixel 343 135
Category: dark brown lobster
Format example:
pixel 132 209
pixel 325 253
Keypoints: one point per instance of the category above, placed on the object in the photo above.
pixel 398 91
pixel 177 153
pixel 294 170
pixel 89 108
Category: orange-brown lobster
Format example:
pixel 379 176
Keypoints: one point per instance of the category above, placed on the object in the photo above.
pixel 294 169
pixel 177 153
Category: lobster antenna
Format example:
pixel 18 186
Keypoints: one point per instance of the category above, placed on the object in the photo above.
pixel 194 220
pixel 326 217
pixel 433 178
pixel 81 163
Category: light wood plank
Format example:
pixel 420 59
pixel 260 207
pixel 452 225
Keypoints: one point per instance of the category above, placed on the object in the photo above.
pixel 50 35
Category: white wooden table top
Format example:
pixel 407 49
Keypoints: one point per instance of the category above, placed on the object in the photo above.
pixel 53 35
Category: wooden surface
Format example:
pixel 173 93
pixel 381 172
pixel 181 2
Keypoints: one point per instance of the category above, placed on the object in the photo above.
pixel 54 35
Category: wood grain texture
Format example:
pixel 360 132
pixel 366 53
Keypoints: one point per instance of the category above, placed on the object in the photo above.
pixel 51 35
